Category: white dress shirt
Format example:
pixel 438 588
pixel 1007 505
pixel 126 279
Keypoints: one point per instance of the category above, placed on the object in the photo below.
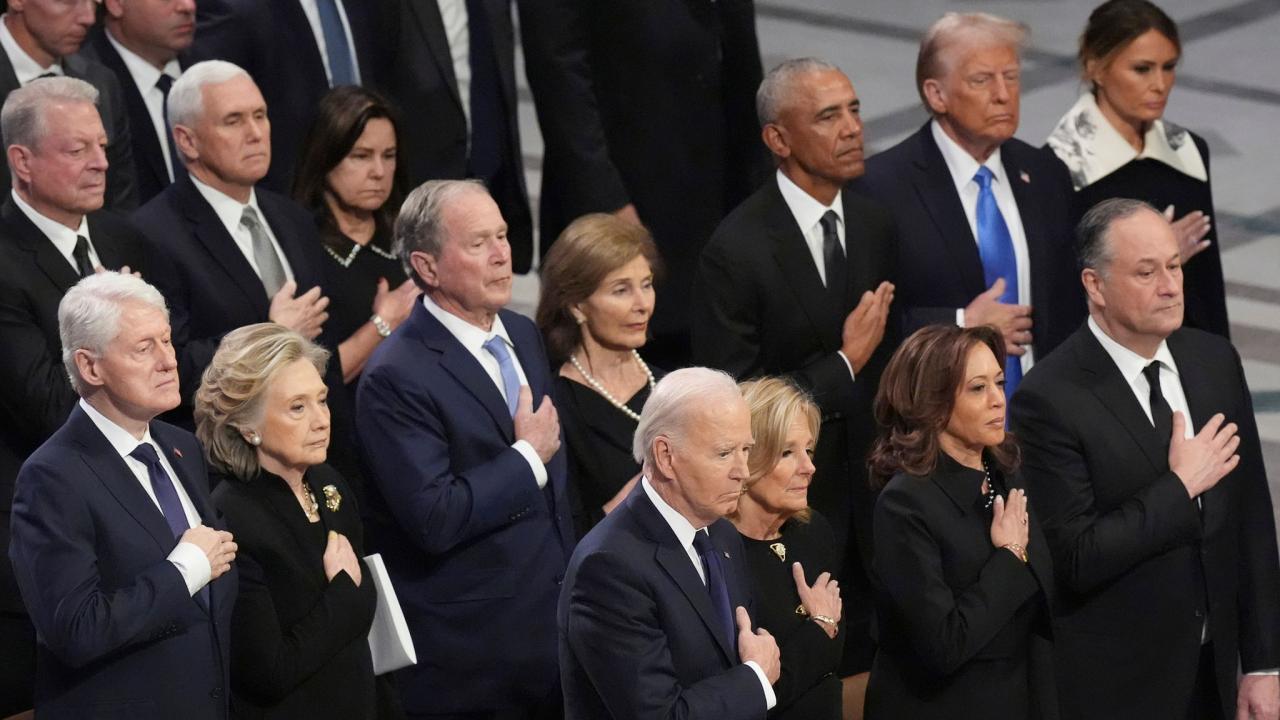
pixel 963 167
pixel 229 211
pixel 453 15
pixel 685 532
pixel 312 11
pixel 145 76
pixel 189 559
pixel 25 67
pixel 473 339
pixel 62 237
pixel 1131 365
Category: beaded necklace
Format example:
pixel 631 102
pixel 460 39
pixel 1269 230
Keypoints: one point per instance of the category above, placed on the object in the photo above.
pixel 595 384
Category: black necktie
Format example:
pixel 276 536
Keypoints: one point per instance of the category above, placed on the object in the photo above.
pixel 81 254
pixel 175 163
pixel 833 259
pixel 1161 413
pixel 717 585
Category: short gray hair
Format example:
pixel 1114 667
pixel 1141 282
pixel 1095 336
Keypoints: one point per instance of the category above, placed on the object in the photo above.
pixel 962 29
pixel 22 118
pixel 89 315
pixel 186 97
pixel 420 224
pixel 674 399
pixel 1093 246
pixel 776 86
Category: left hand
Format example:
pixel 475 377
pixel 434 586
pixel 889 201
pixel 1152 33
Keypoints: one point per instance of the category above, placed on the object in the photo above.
pixel 821 599
pixel 1259 698
pixel 1190 229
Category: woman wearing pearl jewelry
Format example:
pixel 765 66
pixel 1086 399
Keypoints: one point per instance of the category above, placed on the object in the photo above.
pixel 597 299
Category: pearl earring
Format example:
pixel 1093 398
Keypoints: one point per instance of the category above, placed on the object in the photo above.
pixel 255 439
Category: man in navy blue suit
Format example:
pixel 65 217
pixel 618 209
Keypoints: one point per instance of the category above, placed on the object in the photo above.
pixel 655 616
pixel 122 562
pixel 472 475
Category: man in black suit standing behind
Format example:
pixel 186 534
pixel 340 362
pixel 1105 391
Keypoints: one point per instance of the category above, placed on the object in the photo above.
pixel 1141 454
pixel 984 218
pixel 798 281
pixel 53 232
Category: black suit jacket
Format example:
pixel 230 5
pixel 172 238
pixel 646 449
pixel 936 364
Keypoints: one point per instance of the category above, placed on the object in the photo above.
pixel 122 191
pixel 119 635
pixel 35 394
pixel 941 268
pixel 1135 561
pixel 299 641
pixel 638 635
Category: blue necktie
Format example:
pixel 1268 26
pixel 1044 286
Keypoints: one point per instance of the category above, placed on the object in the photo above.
pixel 717 586
pixel 497 347
pixel 336 48
pixel 995 245
pixel 175 162
pixel 167 496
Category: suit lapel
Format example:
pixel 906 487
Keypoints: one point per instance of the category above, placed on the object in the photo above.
pixel 143 132
pixel 1115 393
pixel 426 17
pixel 791 253
pixel 1040 262
pixel 286 234
pixel 1202 402
pixel 45 256
pixel 462 365
pixel 937 192
pixel 213 235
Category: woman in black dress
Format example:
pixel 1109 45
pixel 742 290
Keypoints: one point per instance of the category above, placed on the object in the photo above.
pixel 597 298
pixel 350 179
pixel 1115 143
pixel 299 634
pixel 962 576
pixel 790 551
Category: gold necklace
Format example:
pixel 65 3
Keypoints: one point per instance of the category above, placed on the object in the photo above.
pixel 309 505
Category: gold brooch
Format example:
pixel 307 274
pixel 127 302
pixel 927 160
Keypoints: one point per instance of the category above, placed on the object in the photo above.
pixel 332 498
pixel 801 611
pixel 780 550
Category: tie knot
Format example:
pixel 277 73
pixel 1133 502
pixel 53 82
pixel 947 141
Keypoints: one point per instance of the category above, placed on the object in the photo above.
pixel 146 454
pixel 164 83
pixel 82 245
pixel 497 348
pixel 249 218
pixel 1152 373
pixel 702 542
pixel 829 220
pixel 983 177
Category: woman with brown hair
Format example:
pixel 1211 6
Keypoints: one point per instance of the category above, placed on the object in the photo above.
pixel 963 578
pixel 597 299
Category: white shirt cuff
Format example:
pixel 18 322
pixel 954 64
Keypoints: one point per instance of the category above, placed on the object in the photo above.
pixel 960 317
pixel 769 698
pixel 193 564
pixel 847 364
pixel 535 463
pixel 1269 671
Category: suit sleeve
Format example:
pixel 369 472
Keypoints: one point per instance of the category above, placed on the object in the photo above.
pixel 35 394
pixel 947 626
pixel 1091 547
pixel 612 628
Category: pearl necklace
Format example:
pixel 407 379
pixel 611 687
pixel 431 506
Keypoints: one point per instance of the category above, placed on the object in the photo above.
pixel 595 384
pixel 355 250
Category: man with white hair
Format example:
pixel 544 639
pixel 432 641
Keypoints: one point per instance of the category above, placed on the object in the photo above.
pixel 119 553
pixel 984 218
pixel 655 613
pixel 53 232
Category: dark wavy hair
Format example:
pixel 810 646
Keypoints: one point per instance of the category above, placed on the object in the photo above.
pixel 340 118
pixel 1116 23
pixel 917 394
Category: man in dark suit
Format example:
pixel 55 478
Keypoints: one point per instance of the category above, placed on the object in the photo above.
pixel 39 38
pixel 983 217
pixel 1142 456
pixel 473 477
pixel 56 200
pixel 143 43
pixel 798 281
pixel 646 111
pixel 120 556
pixel 655 613
pixel 454 62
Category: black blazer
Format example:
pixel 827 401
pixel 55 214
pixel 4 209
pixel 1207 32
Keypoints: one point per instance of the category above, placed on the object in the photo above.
pixel 962 625
pixel 122 192
pixel 941 268
pixel 1136 562
pixel 300 644
pixel 35 394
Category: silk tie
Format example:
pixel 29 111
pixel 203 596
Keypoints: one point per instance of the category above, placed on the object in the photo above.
pixel 336 48
pixel 995 245
pixel 497 347
pixel 833 260
pixel 167 497
pixel 165 83
pixel 717 585
pixel 81 254
pixel 1161 413
pixel 270 269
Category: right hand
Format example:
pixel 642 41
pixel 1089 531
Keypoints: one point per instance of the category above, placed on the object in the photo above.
pixel 218 546
pixel 1207 457
pixel 394 306
pixel 864 327
pixel 540 429
pixel 1013 321
pixel 628 212
pixel 1191 230
pixel 304 314
pixel 1009 522
pixel 758 646
pixel 339 556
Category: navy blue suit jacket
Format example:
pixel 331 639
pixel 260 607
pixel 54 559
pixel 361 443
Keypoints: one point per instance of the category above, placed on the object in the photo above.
pixel 638 635
pixel 118 633
pixel 476 550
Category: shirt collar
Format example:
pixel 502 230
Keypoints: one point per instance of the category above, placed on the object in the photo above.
pixel 25 67
pixel 145 75
pixel 228 209
pixel 472 338
pixel 1091 147
pixel 1129 362
pixel 804 207
pixel 684 530
pixel 60 235
pixel 961 164
pixel 122 441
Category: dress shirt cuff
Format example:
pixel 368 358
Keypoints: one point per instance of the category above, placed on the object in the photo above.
pixel 852 375
pixel 193 564
pixel 770 699
pixel 535 463
pixel 960 317
pixel 1268 671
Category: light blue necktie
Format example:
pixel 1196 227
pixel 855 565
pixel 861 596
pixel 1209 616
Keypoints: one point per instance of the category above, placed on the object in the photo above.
pixel 335 44
pixel 995 245
pixel 497 347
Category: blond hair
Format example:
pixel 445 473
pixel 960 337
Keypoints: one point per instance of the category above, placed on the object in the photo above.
pixel 775 403
pixel 968 30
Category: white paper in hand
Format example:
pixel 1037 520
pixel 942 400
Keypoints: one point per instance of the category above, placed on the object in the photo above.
pixel 389 640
